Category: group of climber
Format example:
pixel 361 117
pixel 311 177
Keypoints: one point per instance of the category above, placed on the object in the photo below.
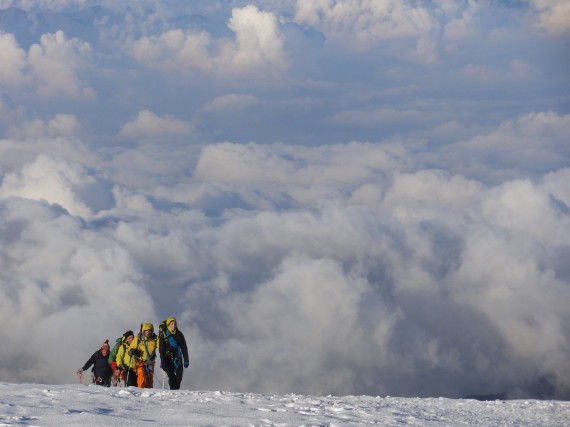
pixel 133 357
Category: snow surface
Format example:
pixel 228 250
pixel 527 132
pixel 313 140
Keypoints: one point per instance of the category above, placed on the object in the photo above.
pixel 89 405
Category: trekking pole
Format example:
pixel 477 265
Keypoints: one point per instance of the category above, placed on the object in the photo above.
pixel 162 378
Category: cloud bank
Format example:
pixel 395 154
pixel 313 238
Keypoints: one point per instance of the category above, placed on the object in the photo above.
pixel 331 197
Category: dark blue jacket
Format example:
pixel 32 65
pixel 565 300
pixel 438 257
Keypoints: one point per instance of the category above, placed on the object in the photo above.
pixel 101 367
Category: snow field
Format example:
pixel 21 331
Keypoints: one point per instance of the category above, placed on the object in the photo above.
pixel 81 405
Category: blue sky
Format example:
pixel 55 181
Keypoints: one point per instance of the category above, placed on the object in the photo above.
pixel 378 188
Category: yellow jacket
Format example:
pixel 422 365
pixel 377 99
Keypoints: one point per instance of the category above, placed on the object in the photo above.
pixel 123 357
pixel 145 348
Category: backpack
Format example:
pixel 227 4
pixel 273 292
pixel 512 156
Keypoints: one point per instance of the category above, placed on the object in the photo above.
pixel 177 358
pixel 113 353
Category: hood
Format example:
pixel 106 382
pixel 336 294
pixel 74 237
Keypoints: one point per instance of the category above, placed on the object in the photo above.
pixel 168 321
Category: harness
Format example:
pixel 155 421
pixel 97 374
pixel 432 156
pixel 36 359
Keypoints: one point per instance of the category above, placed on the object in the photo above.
pixel 176 359
pixel 148 356
pixel 95 379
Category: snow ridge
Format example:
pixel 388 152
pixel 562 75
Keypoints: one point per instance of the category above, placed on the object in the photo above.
pixel 70 405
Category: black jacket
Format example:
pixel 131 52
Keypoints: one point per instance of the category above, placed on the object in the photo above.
pixel 101 366
pixel 167 352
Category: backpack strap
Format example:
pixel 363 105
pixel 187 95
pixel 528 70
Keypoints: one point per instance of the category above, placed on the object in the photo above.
pixel 148 356
pixel 176 360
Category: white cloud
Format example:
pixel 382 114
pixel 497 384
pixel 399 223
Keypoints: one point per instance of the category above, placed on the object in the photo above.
pixel 62 125
pixel 378 117
pixel 413 243
pixel 533 137
pixel 54 64
pixel 44 4
pixel 366 20
pixel 352 240
pixel 460 21
pixel 175 50
pixel 64 280
pixel 481 72
pixel 126 200
pixel 522 70
pixel 426 51
pixel 280 164
pixel 556 183
pixel 258 42
pixel 516 70
pixel 433 252
pixel 232 101
pixel 528 210
pixel 50 68
pixel 16 153
pixel 149 125
pixel 429 188
pixel 532 144
pixel 58 182
pixel 291 304
pixel 553 16
pixel 13 61
pixel 257 46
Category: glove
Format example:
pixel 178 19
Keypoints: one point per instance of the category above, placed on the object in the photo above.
pixel 79 371
pixel 186 364
pixel 134 352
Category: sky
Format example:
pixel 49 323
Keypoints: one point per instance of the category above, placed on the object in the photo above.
pixel 336 197
pixel 72 405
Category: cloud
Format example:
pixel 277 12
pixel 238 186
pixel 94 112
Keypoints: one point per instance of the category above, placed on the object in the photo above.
pixel 232 101
pixel 373 190
pixel 336 259
pixel 553 16
pixel 460 22
pixel 555 183
pixel 44 4
pixel 481 72
pixel 64 125
pixel 379 117
pixel 50 67
pixel 16 153
pixel 149 125
pixel 426 51
pixel 517 69
pixel 257 47
pixel 175 50
pixel 420 189
pixel 429 242
pixel 58 182
pixel 364 19
pixel 257 39
pixel 13 61
pixel 534 142
pixel 54 63
pixel 58 275
pixel 280 174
